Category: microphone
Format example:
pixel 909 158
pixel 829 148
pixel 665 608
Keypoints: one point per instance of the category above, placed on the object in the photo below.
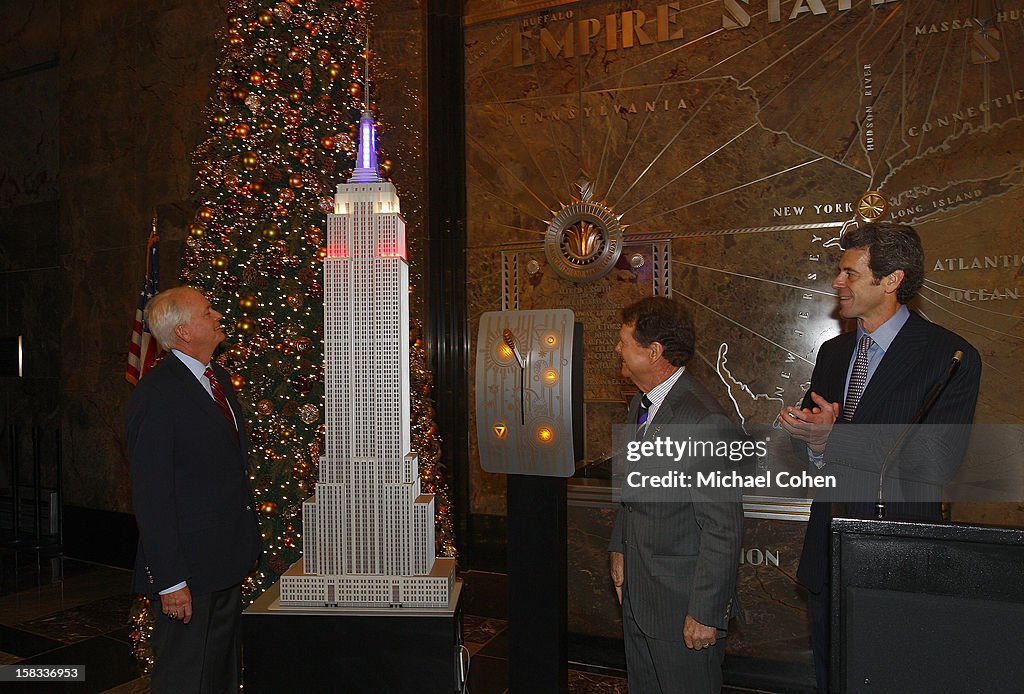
pixel 922 411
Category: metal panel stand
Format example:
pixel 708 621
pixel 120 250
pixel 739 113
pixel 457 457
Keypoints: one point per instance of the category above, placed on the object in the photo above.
pixel 537 587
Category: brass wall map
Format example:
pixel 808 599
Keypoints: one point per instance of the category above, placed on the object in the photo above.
pixel 745 132
pixel 732 140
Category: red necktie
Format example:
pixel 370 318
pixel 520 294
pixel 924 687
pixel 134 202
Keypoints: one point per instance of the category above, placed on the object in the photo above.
pixel 219 398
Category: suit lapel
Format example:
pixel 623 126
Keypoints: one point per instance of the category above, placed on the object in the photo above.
pixel 836 383
pixel 906 350
pixel 198 396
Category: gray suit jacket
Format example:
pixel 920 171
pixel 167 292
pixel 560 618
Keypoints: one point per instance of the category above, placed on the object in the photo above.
pixel 681 557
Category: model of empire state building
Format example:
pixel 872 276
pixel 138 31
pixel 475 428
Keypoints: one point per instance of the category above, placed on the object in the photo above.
pixel 368 530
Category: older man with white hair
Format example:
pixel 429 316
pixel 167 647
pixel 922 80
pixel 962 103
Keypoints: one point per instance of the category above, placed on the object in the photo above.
pixel 198 532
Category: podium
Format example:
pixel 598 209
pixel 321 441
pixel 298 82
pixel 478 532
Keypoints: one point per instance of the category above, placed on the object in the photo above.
pixel 922 607
pixel 372 651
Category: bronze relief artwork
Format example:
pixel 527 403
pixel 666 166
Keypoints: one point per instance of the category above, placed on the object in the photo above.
pixel 729 145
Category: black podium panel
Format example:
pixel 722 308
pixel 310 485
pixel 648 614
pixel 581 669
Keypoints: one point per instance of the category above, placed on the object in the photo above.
pixel 384 653
pixel 920 607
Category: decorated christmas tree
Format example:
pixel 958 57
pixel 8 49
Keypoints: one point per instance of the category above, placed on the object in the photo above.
pixel 283 117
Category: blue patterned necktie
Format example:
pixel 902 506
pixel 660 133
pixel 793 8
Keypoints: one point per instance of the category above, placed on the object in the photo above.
pixel 858 379
pixel 641 417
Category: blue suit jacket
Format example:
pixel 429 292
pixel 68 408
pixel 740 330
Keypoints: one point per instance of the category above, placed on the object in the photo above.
pixel 190 487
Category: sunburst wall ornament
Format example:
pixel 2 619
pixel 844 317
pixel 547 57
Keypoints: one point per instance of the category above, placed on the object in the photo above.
pixel 584 239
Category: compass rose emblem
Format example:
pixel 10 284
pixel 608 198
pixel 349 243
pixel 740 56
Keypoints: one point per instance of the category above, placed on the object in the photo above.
pixel 872 206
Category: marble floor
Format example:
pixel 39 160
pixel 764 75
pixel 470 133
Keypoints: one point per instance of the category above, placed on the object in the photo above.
pixel 56 610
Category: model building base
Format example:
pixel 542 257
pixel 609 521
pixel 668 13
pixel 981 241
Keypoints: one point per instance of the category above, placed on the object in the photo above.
pixel 375 591
pixel 366 651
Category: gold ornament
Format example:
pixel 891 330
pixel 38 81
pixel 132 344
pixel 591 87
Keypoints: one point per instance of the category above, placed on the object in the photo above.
pixel 327 142
pixel 333 70
pixel 220 119
pixel 197 230
pixel 265 407
pixel 268 508
pixel 240 93
pixel 266 17
pixel 286 195
pixel 247 302
pixel 272 230
pixel 323 56
pixel 294 54
pixel 219 261
pixel 256 77
pixel 385 166
pixel 296 300
pixel 250 160
pixel 242 130
pixel 321 254
pixel 205 214
pixel 238 382
pixel 245 325
pixel 296 180
pixel 295 96
pixel 355 89
pixel 872 206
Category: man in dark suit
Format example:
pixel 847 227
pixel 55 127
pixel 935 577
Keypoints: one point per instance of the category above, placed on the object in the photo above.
pixel 880 375
pixel 673 561
pixel 198 533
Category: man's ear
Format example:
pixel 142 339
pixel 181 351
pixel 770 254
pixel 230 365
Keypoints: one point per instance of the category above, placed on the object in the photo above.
pixel 656 349
pixel 182 333
pixel 893 281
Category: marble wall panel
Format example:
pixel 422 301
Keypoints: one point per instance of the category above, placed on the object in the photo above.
pixel 29 149
pixel 399 77
pixel 29 34
pixel 134 81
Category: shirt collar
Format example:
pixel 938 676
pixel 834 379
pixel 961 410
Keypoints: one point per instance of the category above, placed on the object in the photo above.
pixel 659 392
pixel 194 365
pixel 886 332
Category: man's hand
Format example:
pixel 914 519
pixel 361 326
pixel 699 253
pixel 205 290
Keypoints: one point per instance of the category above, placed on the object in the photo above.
pixel 178 605
pixel 812 425
pixel 698 636
pixel 616 567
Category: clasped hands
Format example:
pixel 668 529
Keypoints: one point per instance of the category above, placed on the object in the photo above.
pixel 812 425
pixel 695 635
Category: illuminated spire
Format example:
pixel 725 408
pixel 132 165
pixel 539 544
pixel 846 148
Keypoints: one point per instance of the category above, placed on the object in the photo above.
pixel 366 159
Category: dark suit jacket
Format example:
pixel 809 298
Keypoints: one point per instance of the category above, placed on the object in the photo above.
pixel 918 357
pixel 190 488
pixel 681 558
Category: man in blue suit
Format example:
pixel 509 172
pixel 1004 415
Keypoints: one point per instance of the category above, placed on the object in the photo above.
pixel 674 560
pixel 879 374
pixel 198 533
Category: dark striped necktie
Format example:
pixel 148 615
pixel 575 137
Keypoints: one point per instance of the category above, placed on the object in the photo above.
pixel 645 409
pixel 858 378
pixel 219 397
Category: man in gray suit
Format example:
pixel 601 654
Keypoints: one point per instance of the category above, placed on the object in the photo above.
pixel 673 562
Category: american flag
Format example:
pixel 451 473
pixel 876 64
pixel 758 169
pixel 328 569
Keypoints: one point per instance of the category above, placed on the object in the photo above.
pixel 143 350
